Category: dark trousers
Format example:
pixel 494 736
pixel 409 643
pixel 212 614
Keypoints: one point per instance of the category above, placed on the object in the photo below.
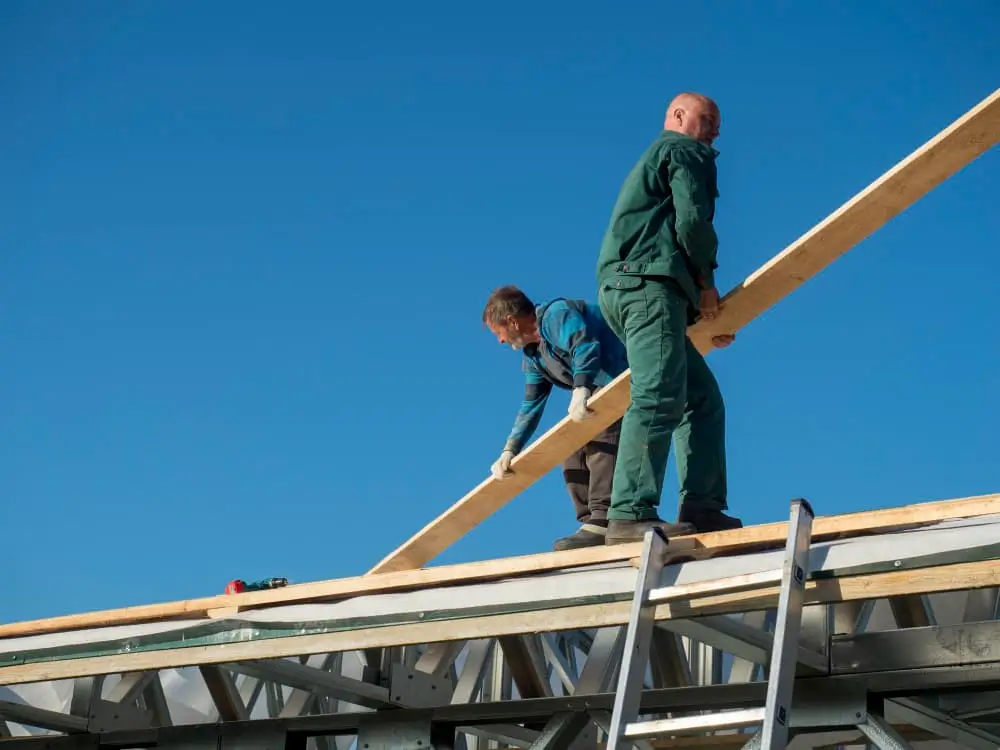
pixel 588 474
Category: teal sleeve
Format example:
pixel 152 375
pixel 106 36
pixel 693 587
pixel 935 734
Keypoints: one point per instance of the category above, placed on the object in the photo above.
pixel 691 178
pixel 536 393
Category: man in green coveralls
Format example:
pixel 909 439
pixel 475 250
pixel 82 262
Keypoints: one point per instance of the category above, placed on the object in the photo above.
pixel 656 274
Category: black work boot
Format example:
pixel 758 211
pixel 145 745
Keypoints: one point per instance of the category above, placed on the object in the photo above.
pixel 623 532
pixel 708 519
pixel 590 534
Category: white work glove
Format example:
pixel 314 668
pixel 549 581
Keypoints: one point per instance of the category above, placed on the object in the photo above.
pixel 578 410
pixel 501 467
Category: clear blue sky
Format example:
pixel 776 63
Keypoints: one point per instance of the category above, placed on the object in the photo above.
pixel 245 251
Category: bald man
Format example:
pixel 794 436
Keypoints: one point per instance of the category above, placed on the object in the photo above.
pixel 656 275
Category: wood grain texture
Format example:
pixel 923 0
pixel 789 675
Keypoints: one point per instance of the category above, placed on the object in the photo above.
pixel 963 141
pixel 733 542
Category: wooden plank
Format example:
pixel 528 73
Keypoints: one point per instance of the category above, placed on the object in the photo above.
pixel 963 141
pixel 696 546
pixel 958 577
pixel 862 522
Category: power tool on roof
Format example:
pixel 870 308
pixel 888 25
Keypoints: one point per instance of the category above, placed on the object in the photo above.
pixel 239 587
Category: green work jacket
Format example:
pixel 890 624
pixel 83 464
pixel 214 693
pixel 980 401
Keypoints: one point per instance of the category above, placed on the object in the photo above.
pixel 662 221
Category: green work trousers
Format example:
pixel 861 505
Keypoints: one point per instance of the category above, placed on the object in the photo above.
pixel 674 396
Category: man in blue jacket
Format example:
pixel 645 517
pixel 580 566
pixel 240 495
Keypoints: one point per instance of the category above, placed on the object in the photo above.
pixel 566 344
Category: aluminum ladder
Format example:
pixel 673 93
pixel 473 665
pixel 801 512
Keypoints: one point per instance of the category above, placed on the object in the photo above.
pixel 773 716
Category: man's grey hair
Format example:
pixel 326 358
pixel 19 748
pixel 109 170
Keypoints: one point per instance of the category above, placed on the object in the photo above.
pixel 507 301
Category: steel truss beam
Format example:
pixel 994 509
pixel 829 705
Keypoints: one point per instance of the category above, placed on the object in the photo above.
pixel 814 695
pixel 471 687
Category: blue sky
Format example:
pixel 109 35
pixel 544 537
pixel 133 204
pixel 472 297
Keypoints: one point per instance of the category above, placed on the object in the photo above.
pixel 244 253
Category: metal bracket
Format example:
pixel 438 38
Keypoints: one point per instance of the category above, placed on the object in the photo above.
pixel 107 716
pixel 414 688
pixel 382 731
pixel 818 706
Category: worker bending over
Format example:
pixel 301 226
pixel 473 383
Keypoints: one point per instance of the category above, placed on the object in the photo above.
pixel 567 344
pixel 656 273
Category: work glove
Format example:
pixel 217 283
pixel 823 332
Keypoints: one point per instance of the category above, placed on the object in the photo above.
pixel 501 467
pixel 578 410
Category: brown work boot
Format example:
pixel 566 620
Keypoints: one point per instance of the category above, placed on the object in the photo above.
pixel 623 532
pixel 708 519
pixel 588 535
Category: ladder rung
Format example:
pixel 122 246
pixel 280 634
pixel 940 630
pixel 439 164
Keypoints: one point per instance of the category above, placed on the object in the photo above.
pixel 714 586
pixel 724 720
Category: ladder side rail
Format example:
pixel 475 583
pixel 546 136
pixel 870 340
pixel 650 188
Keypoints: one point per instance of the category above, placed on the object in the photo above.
pixel 638 638
pixel 787 628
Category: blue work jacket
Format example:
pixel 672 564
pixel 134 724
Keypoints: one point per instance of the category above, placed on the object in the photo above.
pixel 577 349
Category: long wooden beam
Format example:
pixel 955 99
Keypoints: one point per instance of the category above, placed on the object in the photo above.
pixel 698 545
pixel 960 143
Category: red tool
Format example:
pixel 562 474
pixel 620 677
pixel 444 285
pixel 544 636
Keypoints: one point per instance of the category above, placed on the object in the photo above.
pixel 238 586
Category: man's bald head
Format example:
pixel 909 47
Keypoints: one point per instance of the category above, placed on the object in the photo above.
pixel 695 115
